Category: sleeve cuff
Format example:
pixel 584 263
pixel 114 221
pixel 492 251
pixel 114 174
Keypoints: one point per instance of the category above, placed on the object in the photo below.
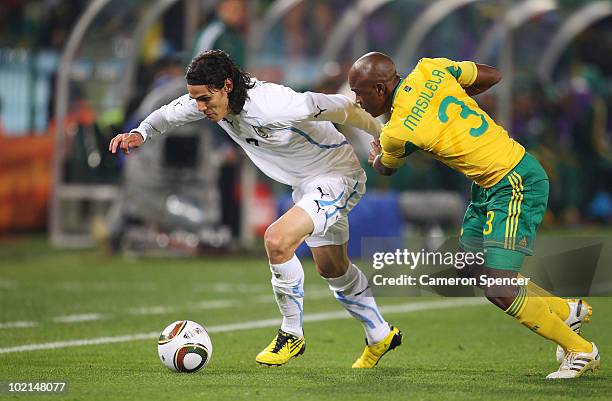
pixel 140 131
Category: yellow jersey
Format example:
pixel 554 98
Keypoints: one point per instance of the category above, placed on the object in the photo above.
pixel 432 112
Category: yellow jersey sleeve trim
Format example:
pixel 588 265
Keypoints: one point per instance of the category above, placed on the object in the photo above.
pixel 468 72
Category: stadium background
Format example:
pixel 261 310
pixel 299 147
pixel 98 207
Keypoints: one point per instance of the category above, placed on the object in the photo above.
pixel 82 69
pixel 73 73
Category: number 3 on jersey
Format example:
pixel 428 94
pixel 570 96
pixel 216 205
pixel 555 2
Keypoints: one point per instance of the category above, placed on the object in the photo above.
pixel 489 223
pixel 465 113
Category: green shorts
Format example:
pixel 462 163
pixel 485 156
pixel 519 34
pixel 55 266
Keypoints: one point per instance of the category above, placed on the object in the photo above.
pixel 503 219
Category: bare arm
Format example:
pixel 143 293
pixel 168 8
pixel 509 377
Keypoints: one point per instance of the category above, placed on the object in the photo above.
pixel 486 78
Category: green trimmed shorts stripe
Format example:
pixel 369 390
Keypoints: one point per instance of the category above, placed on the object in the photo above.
pixel 506 215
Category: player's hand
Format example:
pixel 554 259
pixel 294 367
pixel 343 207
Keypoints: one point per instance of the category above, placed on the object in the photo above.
pixel 374 151
pixel 125 142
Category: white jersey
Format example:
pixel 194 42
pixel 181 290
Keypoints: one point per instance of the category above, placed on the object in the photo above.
pixel 288 135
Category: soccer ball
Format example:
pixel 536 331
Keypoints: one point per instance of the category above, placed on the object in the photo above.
pixel 184 346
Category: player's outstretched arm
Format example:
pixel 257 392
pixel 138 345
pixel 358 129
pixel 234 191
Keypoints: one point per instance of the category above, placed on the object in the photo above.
pixel 291 107
pixel 342 110
pixel 125 142
pixel 174 114
pixel 487 77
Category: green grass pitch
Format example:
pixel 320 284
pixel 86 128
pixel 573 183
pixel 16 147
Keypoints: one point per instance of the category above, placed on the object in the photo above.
pixel 462 352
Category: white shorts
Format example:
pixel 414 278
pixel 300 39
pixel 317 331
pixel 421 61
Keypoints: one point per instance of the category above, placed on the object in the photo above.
pixel 328 199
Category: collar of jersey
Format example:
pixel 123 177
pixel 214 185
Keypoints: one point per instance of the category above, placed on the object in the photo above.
pixel 397 89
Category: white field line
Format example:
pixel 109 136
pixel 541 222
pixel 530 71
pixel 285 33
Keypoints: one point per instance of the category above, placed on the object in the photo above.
pixel 17 325
pixel 151 310
pixel 105 286
pixel 254 324
pixel 310 294
pixel 218 287
pixel 162 309
pixel 7 284
pixel 83 317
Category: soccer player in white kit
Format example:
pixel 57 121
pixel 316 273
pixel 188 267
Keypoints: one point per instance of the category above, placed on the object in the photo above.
pixel 291 138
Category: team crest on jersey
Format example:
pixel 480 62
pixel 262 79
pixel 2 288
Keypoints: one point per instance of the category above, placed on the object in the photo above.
pixel 262 131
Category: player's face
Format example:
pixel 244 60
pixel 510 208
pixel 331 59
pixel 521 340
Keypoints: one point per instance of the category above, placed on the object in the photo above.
pixel 214 103
pixel 369 96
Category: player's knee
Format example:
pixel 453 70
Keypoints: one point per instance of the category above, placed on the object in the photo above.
pixel 273 239
pixel 276 243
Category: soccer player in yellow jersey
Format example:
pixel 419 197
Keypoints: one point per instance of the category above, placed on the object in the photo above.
pixel 432 111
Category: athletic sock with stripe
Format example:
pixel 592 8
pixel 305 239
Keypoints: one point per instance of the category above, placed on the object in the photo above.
pixel 534 313
pixel 354 293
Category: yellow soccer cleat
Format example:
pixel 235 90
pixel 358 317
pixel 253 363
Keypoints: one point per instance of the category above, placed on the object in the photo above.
pixel 372 353
pixel 282 348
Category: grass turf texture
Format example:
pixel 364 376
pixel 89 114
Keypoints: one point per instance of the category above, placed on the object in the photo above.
pixel 465 353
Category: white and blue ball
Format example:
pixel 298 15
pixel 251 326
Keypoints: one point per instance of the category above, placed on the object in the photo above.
pixel 184 346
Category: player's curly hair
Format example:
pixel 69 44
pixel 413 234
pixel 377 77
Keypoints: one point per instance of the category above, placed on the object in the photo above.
pixel 212 68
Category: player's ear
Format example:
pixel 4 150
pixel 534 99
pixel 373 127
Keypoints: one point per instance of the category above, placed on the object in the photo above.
pixel 381 89
pixel 229 85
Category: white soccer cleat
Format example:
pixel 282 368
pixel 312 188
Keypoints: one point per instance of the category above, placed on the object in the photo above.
pixel 576 363
pixel 580 312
